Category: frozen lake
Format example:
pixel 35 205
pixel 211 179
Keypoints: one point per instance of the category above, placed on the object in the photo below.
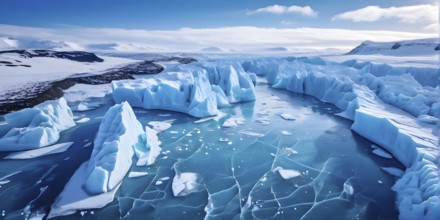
pixel 284 156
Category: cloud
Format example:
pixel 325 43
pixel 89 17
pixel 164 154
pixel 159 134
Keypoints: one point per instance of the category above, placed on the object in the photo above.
pixel 414 14
pixel 281 9
pixel 189 39
pixel 287 23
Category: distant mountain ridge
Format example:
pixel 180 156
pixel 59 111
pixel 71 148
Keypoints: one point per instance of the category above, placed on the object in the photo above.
pixel 430 46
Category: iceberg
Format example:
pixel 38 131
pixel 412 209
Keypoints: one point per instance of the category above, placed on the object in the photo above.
pixel 187 94
pixel 195 89
pixel 36 127
pixel 94 184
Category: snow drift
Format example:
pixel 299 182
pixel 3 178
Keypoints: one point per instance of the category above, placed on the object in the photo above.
pixel 401 48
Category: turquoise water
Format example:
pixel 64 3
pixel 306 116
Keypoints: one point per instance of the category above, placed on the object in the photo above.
pixel 336 175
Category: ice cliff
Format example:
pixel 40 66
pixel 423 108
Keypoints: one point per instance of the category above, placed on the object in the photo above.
pixel 196 89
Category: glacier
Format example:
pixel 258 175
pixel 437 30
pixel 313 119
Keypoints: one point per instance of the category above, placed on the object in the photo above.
pixel 398 108
pixel 196 89
pixel 120 137
pixel 36 127
pixel 384 109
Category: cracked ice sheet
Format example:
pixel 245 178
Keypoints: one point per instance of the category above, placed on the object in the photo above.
pixel 237 181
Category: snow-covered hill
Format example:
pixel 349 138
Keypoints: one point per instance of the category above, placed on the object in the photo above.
pixel 122 47
pixel 212 49
pixel 8 43
pixel 417 47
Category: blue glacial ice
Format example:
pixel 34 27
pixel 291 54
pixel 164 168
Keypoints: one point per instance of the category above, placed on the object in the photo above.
pixel 119 139
pixel 384 109
pixel 198 89
pixel 36 127
pixel 257 160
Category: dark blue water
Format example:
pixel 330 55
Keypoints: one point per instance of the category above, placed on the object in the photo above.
pixel 337 176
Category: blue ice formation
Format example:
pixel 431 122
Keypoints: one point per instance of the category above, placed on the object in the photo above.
pixel 36 127
pixel 198 90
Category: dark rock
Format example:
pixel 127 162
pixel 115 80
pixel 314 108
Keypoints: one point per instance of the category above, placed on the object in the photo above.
pixel 78 56
pixel 5 62
pixel 396 46
pixel 146 67
pixel 437 47
pixel 182 60
pixel 36 93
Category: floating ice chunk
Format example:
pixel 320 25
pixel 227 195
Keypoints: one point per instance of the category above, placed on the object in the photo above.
pixel 120 137
pixel 287 116
pixel 233 122
pixel 380 181
pixel 165 178
pixel 382 153
pixel 36 127
pixel 286 133
pixel 186 183
pixel 348 188
pixel 287 173
pixel 393 171
pixel 83 120
pixel 161 125
pixel 230 123
pixel 263 120
pixel 223 139
pixel 251 133
pixel 54 149
pixel 159 182
pixel 135 174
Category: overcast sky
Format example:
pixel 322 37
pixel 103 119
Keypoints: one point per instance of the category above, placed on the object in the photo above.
pixel 224 23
